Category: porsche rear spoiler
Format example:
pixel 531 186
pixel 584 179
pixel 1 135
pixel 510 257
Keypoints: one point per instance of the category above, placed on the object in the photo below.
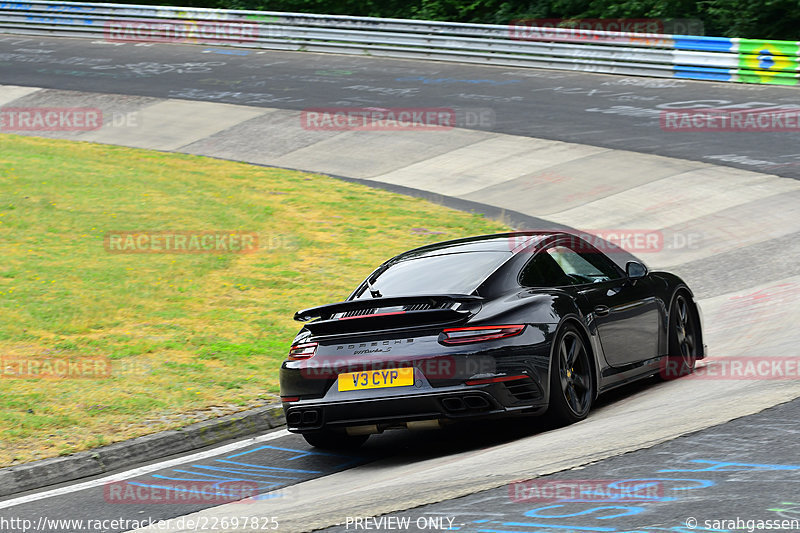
pixel 371 314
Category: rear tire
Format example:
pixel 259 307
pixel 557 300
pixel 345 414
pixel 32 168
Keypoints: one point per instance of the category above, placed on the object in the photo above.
pixel 334 440
pixel 683 340
pixel 571 382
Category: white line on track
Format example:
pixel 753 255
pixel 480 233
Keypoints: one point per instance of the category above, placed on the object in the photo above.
pixel 144 469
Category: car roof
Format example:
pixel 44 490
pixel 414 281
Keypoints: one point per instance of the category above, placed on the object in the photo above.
pixel 512 242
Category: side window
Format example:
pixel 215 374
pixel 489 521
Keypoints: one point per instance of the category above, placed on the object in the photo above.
pixel 544 271
pixel 573 263
pixel 585 266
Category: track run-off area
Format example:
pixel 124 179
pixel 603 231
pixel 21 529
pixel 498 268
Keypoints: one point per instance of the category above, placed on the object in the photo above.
pixel 581 150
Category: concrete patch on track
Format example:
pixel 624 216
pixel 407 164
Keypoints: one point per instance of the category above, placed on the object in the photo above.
pixel 370 155
pixel 262 139
pixel 595 173
pixel 769 261
pixel 729 229
pixel 171 124
pixel 136 121
pixel 114 111
pixel 676 198
pixel 492 162
pixel 9 93
pixel 756 321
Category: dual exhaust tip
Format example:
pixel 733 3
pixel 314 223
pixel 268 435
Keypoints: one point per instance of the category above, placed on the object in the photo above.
pixel 303 418
pixel 469 402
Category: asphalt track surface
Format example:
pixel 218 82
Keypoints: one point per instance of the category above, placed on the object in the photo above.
pixel 598 110
pixel 272 465
pixel 747 470
pixel 594 109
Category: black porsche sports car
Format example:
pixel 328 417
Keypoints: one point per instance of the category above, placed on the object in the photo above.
pixel 489 326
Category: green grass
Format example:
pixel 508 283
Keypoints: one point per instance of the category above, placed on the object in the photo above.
pixel 182 332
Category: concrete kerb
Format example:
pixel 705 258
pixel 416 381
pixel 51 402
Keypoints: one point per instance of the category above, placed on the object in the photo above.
pixel 38 474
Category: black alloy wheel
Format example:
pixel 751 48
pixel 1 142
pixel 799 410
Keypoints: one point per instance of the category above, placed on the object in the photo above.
pixel 571 382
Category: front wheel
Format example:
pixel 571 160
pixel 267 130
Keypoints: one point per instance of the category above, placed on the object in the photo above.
pixel 571 383
pixel 683 340
pixel 334 440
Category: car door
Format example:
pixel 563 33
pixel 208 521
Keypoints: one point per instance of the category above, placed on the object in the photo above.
pixel 626 312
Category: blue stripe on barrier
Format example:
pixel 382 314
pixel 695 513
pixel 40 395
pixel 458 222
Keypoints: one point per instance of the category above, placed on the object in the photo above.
pixel 59 21
pixel 15 5
pixel 702 73
pixel 706 44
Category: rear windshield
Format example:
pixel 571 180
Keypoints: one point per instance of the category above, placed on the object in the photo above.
pixel 458 273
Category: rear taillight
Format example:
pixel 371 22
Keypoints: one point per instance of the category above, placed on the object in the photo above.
pixel 302 351
pixel 498 379
pixel 479 333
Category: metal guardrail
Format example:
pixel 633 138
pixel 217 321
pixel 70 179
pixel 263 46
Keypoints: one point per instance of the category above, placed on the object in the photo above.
pixel 644 54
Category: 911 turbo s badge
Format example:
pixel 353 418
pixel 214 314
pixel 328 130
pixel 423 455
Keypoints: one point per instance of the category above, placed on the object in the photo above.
pixel 373 350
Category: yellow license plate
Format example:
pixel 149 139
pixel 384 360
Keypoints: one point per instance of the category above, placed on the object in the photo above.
pixel 376 379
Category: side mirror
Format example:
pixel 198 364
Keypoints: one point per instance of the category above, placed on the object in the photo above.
pixel 635 270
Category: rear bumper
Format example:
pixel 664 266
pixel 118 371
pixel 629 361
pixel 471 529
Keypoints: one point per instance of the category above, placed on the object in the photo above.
pixel 457 403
